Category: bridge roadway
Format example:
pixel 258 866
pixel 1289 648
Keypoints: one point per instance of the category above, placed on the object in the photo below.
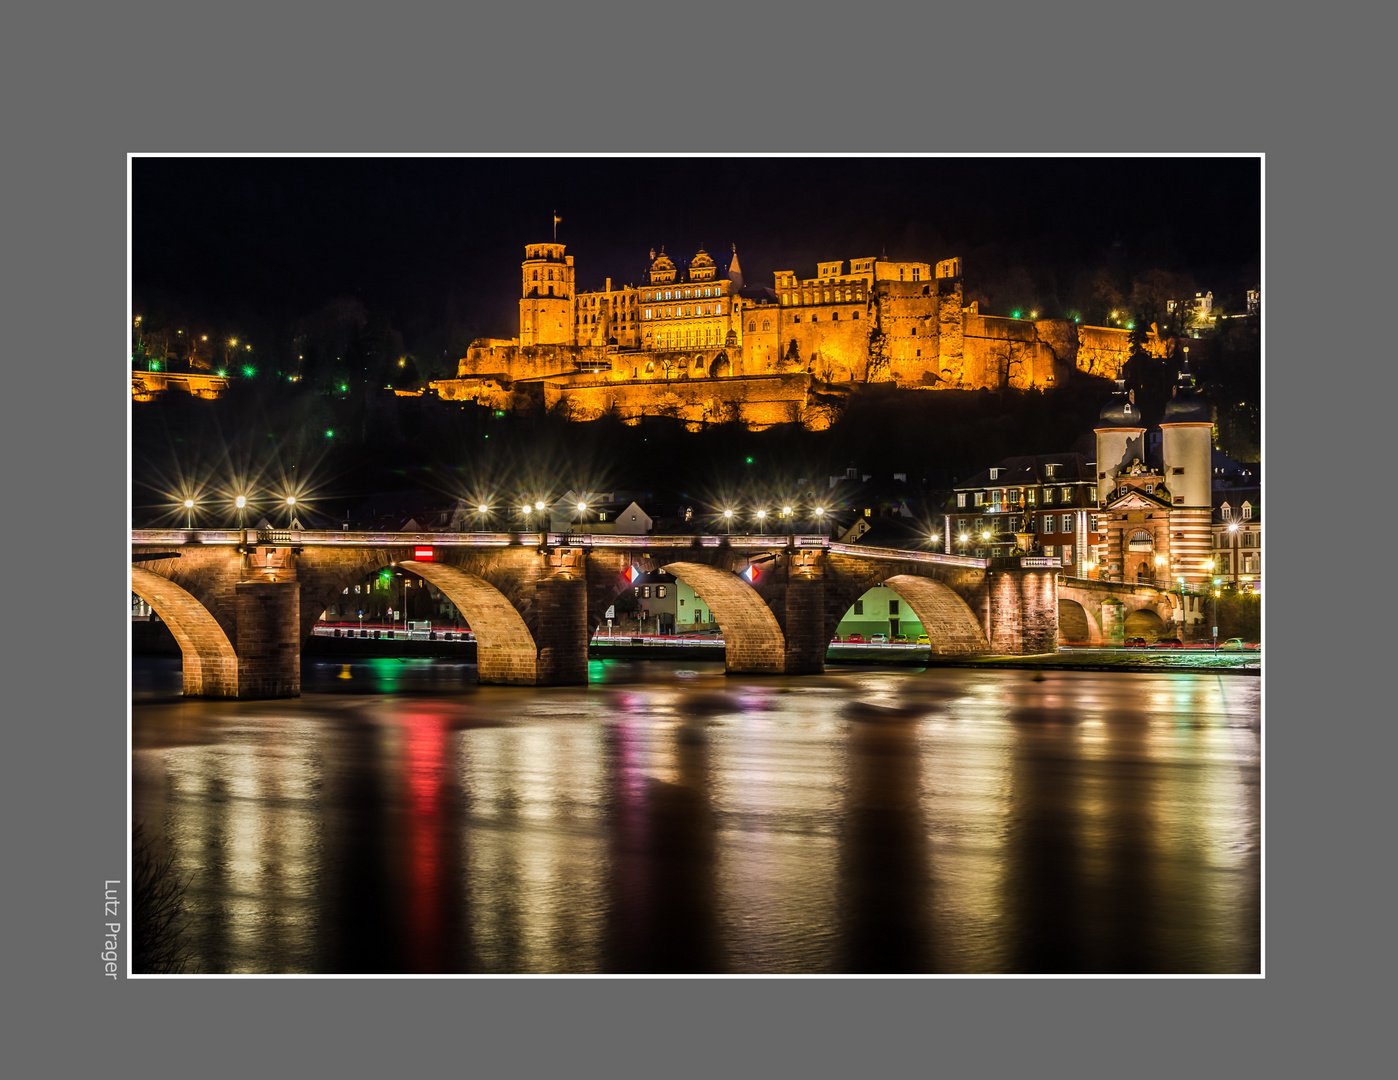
pixel 242 603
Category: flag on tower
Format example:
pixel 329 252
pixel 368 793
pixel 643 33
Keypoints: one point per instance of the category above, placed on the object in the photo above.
pixel 556 220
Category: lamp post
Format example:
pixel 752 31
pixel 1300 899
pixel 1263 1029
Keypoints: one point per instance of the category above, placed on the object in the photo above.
pixel 290 511
pixel 241 502
pixel 1217 582
pixel 189 513
pixel 582 515
pixel 483 512
pixel 728 521
pixel 786 513
pixel 1184 615
pixel 761 522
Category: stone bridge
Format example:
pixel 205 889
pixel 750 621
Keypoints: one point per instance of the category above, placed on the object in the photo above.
pixel 1106 612
pixel 242 603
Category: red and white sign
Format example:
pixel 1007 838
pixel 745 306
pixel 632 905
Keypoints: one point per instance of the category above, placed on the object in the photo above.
pixel 751 573
pixel 630 574
pixel 422 554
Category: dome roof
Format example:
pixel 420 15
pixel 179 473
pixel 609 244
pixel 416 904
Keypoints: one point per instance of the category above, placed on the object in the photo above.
pixel 1121 409
pixel 1186 406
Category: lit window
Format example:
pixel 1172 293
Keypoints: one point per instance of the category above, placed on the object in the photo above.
pixel 1247 511
pixel 1067 523
pixel 752 326
pixel 961 498
pixel 660 591
pixel 766 324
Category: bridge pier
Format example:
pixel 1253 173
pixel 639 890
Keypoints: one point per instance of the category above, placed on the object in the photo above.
pixel 1022 618
pixel 804 623
pixel 561 631
pixel 268 642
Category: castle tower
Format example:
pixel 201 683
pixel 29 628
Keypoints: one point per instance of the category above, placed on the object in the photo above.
pixel 735 272
pixel 546 307
pixel 1186 437
pixel 1120 439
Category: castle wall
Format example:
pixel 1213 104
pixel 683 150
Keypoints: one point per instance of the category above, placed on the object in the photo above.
pixel 757 402
pixel 1102 350
pixel 832 341
pixel 762 350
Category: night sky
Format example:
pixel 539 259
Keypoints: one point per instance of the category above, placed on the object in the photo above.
pixel 224 239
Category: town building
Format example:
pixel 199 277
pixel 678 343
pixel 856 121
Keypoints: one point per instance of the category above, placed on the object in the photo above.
pixel 1045 503
pixel 1237 538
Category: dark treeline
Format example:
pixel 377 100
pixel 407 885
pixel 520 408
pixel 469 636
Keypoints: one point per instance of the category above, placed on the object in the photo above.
pixel 331 443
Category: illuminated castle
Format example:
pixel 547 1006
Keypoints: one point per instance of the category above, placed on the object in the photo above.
pixel 695 343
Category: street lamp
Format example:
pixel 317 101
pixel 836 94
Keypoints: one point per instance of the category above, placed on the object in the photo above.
pixel 290 510
pixel 241 502
pixel 728 520
pixel 582 515
pixel 1217 582
pixel 761 521
pixel 189 513
pixel 1184 615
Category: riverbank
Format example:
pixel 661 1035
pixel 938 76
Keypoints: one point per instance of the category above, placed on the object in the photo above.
pixel 154 639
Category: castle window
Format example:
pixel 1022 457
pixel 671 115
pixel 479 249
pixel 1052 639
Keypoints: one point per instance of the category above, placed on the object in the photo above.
pixel 848 295
pixel 698 361
pixel 960 498
pixel 752 326
pixel 766 324
pixel 815 317
pixel 798 318
pixel 827 296
pixel 786 298
pixel 854 315
pixel 835 317
pixel 550 275
pixel 536 275
pixel 718 309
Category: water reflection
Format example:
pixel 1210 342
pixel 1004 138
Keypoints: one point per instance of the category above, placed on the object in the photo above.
pixel 668 819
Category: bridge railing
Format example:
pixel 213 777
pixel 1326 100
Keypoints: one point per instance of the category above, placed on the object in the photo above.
pixel 738 541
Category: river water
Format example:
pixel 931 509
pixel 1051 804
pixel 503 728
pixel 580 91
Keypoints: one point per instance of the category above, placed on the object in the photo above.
pixel 399 818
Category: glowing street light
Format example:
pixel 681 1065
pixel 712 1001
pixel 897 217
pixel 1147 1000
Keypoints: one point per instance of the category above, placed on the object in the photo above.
pixel 290 509
pixel 728 520
pixel 539 505
pixel 241 503
pixel 761 520
pixel 189 513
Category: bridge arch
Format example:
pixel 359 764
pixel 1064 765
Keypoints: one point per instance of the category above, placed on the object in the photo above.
pixel 210 664
pixel 951 626
pixel 1144 622
pixel 1077 622
pixel 506 651
pixel 754 641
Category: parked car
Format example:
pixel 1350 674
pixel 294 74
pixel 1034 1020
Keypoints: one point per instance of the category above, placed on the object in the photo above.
pixel 855 639
pixel 901 639
pixel 923 639
pixel 1169 643
pixel 879 639
pixel 1236 644
pixel 1135 643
